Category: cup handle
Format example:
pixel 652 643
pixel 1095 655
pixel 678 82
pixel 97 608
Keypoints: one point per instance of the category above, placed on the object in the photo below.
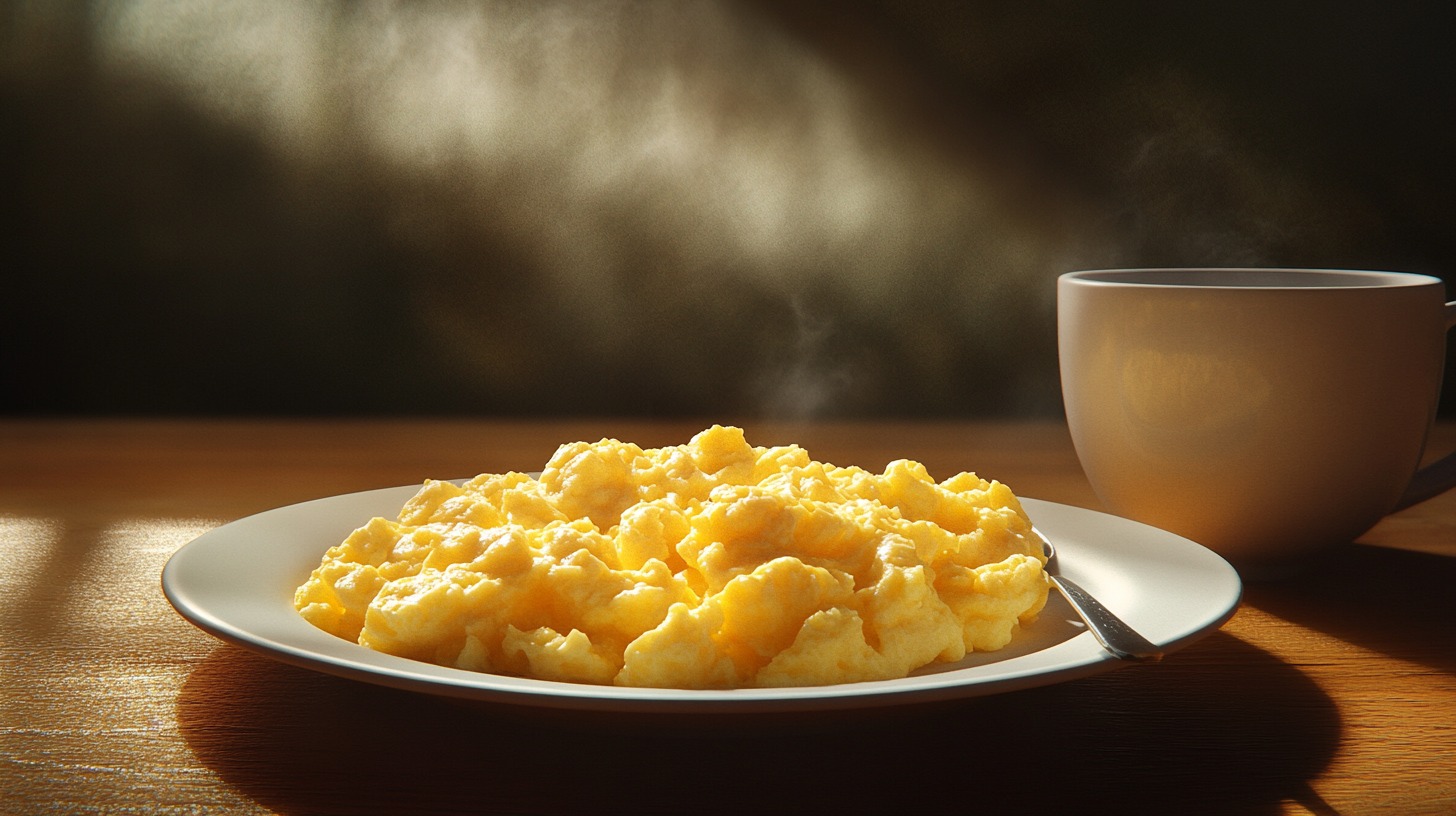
pixel 1439 476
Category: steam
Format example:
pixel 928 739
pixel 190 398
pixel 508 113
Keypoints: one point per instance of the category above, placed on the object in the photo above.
pixel 737 127
pixel 1200 196
pixel 808 377
pixel 596 135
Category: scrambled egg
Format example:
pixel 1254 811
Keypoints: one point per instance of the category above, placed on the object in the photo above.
pixel 713 564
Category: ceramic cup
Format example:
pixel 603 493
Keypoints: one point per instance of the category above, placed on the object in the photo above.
pixel 1263 413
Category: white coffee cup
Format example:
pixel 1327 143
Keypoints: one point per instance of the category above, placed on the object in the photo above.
pixel 1263 413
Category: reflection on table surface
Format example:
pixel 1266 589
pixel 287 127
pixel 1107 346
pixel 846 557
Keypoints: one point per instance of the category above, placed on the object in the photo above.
pixel 1332 692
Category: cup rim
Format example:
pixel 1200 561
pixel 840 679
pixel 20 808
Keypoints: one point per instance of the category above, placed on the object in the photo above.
pixel 1250 278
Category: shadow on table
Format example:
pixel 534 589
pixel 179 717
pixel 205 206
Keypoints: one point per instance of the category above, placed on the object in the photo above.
pixel 1395 602
pixel 1179 736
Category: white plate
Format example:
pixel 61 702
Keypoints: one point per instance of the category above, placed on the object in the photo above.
pixel 237 581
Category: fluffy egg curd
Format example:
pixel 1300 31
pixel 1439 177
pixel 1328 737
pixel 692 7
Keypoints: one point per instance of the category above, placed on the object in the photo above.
pixel 709 565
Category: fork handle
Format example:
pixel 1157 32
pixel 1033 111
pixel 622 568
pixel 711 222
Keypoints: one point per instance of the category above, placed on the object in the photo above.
pixel 1117 637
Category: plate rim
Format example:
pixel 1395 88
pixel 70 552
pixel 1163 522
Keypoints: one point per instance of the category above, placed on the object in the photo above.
pixel 342 658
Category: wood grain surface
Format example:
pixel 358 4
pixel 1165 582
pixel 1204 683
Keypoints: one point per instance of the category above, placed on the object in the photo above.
pixel 1330 693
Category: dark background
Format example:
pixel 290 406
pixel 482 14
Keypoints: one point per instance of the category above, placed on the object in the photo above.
pixel 713 209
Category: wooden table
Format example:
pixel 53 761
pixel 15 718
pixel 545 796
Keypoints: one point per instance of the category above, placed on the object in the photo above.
pixel 1334 693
